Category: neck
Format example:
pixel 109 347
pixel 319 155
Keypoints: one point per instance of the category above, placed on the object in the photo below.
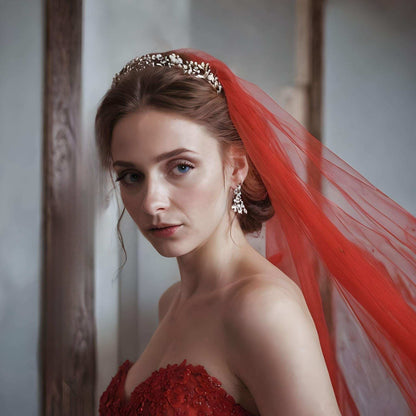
pixel 216 263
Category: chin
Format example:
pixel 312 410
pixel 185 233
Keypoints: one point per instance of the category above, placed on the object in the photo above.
pixel 183 244
pixel 166 252
pixel 177 248
pixel 170 249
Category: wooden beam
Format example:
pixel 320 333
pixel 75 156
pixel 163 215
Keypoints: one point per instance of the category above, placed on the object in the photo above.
pixel 308 97
pixel 316 63
pixel 68 329
pixel 309 64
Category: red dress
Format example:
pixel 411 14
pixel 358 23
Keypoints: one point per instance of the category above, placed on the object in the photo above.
pixel 176 390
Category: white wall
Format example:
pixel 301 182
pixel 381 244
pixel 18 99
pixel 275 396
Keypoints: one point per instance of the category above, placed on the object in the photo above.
pixel 21 91
pixel 370 121
pixel 370 91
pixel 256 39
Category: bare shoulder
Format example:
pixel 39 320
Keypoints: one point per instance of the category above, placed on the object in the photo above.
pixel 166 299
pixel 265 294
pixel 274 348
pixel 267 308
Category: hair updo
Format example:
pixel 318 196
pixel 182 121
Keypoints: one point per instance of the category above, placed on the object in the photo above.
pixel 170 89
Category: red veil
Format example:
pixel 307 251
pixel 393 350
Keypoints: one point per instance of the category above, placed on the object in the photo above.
pixel 340 229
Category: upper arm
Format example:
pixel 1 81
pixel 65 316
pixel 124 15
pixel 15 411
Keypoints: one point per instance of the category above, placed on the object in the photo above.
pixel 275 351
pixel 166 299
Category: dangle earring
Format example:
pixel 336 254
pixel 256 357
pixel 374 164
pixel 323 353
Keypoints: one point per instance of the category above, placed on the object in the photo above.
pixel 238 204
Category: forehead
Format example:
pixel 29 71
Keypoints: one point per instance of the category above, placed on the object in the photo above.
pixel 146 134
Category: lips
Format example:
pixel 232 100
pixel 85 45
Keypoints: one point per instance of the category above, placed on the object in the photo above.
pixel 161 226
pixel 165 230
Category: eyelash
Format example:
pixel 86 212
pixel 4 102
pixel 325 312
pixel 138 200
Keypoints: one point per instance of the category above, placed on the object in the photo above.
pixel 176 165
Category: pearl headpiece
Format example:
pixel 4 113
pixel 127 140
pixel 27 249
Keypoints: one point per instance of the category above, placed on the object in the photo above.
pixel 199 70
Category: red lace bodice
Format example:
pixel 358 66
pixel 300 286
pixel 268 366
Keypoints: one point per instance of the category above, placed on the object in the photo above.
pixel 176 390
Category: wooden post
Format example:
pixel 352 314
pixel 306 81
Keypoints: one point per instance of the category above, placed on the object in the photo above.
pixel 309 64
pixel 68 329
pixel 308 92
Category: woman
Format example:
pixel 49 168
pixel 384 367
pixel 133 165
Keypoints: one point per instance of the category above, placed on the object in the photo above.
pixel 203 158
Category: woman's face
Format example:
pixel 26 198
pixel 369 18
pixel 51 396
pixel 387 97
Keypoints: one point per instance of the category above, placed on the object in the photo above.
pixel 172 179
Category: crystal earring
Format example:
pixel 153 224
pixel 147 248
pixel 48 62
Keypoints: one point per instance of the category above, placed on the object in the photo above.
pixel 238 204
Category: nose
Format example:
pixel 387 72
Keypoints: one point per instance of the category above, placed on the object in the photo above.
pixel 155 197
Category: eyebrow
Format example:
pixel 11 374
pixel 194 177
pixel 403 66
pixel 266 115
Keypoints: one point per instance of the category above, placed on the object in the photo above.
pixel 159 158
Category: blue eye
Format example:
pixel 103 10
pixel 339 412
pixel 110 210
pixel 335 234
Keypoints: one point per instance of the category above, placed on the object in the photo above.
pixel 132 177
pixel 128 178
pixel 182 168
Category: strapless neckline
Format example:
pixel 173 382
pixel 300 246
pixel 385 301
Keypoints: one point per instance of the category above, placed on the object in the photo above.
pixel 180 386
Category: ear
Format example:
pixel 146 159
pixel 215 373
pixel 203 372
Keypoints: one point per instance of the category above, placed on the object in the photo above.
pixel 237 166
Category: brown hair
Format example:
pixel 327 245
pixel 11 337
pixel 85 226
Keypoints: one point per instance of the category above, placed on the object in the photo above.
pixel 170 89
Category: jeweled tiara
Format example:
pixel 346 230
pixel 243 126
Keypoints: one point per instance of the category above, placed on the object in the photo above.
pixel 199 70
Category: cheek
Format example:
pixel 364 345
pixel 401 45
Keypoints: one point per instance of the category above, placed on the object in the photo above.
pixel 131 204
pixel 126 197
pixel 207 197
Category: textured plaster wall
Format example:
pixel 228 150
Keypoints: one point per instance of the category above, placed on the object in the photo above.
pixel 21 89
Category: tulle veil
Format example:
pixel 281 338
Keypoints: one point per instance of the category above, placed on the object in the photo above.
pixel 333 229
